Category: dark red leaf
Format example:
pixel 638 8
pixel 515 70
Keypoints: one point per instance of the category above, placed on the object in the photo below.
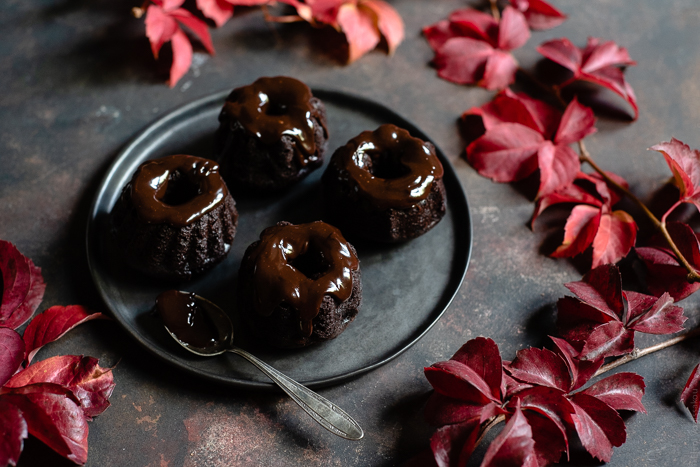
pixel 22 286
pixel 52 324
pixel 572 193
pixel 462 60
pixel 14 431
pixel 539 14
pixel 469 22
pixel 541 367
pixel 11 353
pixel 685 165
pixel 691 393
pixel 442 410
pixel 621 391
pixel 550 403
pixel 482 356
pixel 577 122
pixel 91 384
pixel 576 319
pixel 581 371
pixel 53 418
pixel 513 446
pixel 512 385
pixel 457 380
pixel 453 444
pixel 506 153
pixel 608 340
pixel 499 71
pixel 218 10
pixel 601 288
pixel 665 273
pixel 637 304
pixel 563 52
pixel 598 425
pixel 198 27
pixel 437 34
pixel 662 318
pixel 160 28
pixel 550 440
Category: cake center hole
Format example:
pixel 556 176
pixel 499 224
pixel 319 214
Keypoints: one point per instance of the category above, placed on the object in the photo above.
pixel 275 108
pixel 180 189
pixel 312 264
pixel 388 166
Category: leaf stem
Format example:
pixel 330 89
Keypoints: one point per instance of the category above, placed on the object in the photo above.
pixel 487 427
pixel 638 353
pixel 494 9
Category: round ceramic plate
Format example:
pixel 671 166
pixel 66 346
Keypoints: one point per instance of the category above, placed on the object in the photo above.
pixel 406 287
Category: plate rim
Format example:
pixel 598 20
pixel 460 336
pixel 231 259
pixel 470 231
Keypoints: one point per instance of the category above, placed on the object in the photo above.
pixel 337 96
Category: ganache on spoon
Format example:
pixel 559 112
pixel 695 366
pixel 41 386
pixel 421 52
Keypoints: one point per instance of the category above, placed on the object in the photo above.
pixel 204 329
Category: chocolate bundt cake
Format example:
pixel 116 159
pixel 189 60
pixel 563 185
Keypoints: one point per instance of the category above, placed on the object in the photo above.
pixel 299 284
pixel 384 185
pixel 175 218
pixel 272 134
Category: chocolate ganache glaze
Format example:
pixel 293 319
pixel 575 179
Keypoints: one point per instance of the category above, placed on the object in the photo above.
pixel 177 189
pixel 299 264
pixel 388 167
pixel 186 317
pixel 272 107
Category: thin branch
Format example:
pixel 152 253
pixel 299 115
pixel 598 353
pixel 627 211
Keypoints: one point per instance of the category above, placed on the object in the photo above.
pixel 638 353
pixel 487 427
pixel 494 9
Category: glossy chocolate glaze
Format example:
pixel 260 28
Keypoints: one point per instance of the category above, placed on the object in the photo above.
pixel 201 189
pixel 187 318
pixel 413 167
pixel 272 107
pixel 276 276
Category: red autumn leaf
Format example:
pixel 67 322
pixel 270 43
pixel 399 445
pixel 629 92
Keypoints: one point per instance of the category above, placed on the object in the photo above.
pixel 457 380
pixel 52 324
pixel 690 395
pixel 219 11
pixel 482 356
pixel 454 444
pixel 443 410
pixel 162 20
pixel 389 22
pixel 539 14
pixel 598 63
pixel 654 316
pixel 22 286
pixel 473 48
pixel 581 371
pixel 14 431
pixel 540 367
pixel 53 418
pixel 548 402
pixel 515 143
pixel 611 234
pixel 598 425
pixel 91 384
pixel 11 353
pixel 621 391
pixel 510 107
pixel 512 385
pixel 665 273
pixel 359 29
pixel 601 288
pixel 513 446
pixel 685 165
pixel 550 441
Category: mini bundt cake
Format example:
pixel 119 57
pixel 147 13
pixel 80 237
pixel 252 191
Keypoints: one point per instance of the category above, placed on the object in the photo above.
pixel 272 134
pixel 300 284
pixel 175 218
pixel 384 185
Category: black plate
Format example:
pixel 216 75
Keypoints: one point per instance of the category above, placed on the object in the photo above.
pixel 406 288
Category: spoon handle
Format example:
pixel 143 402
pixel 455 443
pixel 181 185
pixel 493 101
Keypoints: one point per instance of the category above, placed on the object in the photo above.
pixel 330 416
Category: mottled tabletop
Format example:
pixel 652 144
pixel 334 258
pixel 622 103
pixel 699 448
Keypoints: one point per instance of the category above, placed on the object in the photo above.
pixel 79 82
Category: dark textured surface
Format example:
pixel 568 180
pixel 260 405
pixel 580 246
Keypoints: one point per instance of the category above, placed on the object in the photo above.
pixel 78 82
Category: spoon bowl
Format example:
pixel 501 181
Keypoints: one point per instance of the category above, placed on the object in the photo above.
pixel 203 328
